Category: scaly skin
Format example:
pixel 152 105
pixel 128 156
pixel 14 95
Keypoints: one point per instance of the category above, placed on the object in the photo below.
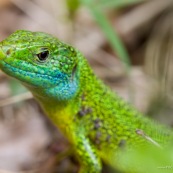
pixel 96 121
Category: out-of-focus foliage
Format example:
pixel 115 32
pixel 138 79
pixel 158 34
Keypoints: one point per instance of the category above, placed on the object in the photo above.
pixel 111 3
pixel 111 35
pixel 148 160
pixel 97 10
pixel 72 6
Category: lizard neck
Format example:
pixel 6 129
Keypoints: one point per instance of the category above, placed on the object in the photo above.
pixel 63 112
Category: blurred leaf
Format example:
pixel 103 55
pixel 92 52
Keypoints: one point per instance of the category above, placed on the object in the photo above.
pixel 111 3
pixel 110 33
pixel 72 5
pixel 147 159
pixel 117 3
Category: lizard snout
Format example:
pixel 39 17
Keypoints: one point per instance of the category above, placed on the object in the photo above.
pixel 5 51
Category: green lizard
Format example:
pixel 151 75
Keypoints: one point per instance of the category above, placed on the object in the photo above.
pixel 97 122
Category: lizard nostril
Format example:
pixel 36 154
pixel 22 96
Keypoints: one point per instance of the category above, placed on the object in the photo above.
pixel 8 52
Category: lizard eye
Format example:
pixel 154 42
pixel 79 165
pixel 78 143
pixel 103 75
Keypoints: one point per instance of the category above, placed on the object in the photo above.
pixel 42 56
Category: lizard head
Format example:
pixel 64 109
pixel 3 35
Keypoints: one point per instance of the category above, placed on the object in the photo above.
pixel 41 62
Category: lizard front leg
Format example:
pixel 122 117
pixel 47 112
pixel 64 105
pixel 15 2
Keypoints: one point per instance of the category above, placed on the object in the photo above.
pixel 87 155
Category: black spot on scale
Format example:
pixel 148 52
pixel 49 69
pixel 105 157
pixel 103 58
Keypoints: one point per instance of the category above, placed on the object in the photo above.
pixel 83 97
pixel 97 137
pixel 84 111
pixel 97 123
pixel 108 138
pixel 98 134
pixel 122 143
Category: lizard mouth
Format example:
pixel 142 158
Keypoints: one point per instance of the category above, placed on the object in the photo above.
pixel 25 72
pixel 22 74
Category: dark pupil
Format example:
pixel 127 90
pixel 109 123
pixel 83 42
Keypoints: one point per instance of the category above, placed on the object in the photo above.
pixel 43 55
